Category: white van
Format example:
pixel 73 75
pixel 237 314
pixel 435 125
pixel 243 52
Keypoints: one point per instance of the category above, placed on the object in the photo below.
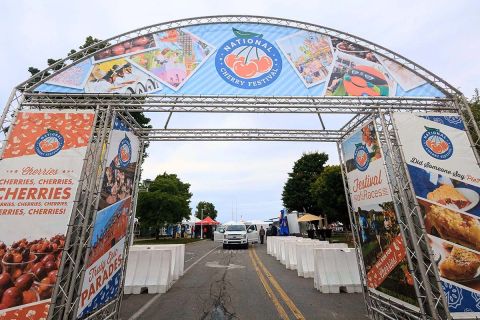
pixel 237 234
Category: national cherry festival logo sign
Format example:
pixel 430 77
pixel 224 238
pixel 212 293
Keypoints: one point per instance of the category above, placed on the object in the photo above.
pixel 361 157
pixel 49 144
pixel 248 61
pixel 124 152
pixel 437 144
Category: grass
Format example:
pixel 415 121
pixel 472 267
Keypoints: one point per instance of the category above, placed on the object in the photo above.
pixel 166 241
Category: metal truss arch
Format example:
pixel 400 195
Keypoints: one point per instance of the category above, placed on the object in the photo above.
pixel 242 135
pixel 63 64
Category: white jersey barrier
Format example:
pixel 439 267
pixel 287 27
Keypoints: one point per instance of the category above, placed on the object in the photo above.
pixel 291 250
pixel 335 269
pixel 304 251
pixel 178 253
pixel 332 265
pixel 154 267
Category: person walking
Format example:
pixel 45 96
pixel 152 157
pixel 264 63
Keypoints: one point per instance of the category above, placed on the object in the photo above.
pixel 262 234
pixel 274 230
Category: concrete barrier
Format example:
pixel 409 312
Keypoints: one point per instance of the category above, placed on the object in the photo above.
pixel 291 250
pixel 304 251
pixel 178 254
pixel 154 267
pixel 149 269
pixel 336 269
pixel 269 245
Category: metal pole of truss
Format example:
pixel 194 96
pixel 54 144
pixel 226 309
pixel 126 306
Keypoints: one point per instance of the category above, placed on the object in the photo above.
pixel 8 116
pixel 471 125
pixel 88 232
pixel 131 226
pixel 60 292
pixel 89 209
pixel 425 271
pixel 355 233
pixel 377 306
pixel 402 225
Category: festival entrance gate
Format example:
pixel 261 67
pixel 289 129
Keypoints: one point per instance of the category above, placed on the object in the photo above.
pixel 70 150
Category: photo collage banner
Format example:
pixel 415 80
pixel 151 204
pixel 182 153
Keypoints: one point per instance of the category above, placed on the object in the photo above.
pixel 40 171
pixel 240 59
pixel 381 243
pixel 103 276
pixel 446 181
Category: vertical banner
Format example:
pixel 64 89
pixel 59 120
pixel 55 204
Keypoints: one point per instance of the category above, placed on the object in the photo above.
pixel 102 280
pixel 39 176
pixel 446 182
pixel 382 246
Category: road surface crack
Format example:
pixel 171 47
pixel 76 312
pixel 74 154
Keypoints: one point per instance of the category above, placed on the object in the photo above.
pixel 220 297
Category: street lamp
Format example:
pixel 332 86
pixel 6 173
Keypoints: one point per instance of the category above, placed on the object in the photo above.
pixel 146 183
pixel 201 224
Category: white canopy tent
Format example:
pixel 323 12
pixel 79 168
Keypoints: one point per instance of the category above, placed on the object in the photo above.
pixel 258 223
pixel 191 221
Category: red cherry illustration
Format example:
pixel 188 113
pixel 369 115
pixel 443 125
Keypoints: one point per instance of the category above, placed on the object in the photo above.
pixel 229 60
pixel 134 49
pixel 118 50
pixel 141 41
pixel 265 63
pixel 245 70
pixel 232 58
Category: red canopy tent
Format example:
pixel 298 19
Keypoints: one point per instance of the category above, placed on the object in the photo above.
pixel 207 222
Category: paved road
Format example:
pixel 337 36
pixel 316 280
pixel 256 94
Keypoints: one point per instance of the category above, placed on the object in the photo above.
pixel 254 286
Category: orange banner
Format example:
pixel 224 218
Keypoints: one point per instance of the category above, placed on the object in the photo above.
pixel 391 257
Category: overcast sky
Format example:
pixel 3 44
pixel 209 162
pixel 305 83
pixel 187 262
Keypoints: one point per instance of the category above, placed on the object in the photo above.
pixel 244 178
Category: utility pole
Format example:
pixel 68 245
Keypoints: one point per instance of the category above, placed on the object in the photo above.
pixel 201 225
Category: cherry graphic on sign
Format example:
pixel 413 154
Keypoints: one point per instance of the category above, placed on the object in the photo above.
pixel 244 62
pixel 245 70
pixel 265 63
pixel 232 58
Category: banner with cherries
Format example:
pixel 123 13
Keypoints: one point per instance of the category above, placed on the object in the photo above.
pixel 39 175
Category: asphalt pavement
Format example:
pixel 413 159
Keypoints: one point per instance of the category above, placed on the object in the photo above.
pixel 240 284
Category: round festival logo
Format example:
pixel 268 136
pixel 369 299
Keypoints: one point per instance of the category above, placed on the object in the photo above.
pixel 437 144
pixel 248 61
pixel 124 152
pixel 49 144
pixel 361 157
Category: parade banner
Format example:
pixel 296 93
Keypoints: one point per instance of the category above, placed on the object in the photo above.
pixel 103 276
pixel 40 171
pixel 382 247
pixel 446 181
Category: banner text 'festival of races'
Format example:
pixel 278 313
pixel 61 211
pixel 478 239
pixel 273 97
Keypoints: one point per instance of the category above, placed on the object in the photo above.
pixel 382 246
pixel 102 280
pixel 446 181
pixel 39 174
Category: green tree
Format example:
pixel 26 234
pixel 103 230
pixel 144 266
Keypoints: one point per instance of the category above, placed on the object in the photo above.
pixel 297 190
pixel 329 194
pixel 208 210
pixel 475 106
pixel 167 201
pixel 88 42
